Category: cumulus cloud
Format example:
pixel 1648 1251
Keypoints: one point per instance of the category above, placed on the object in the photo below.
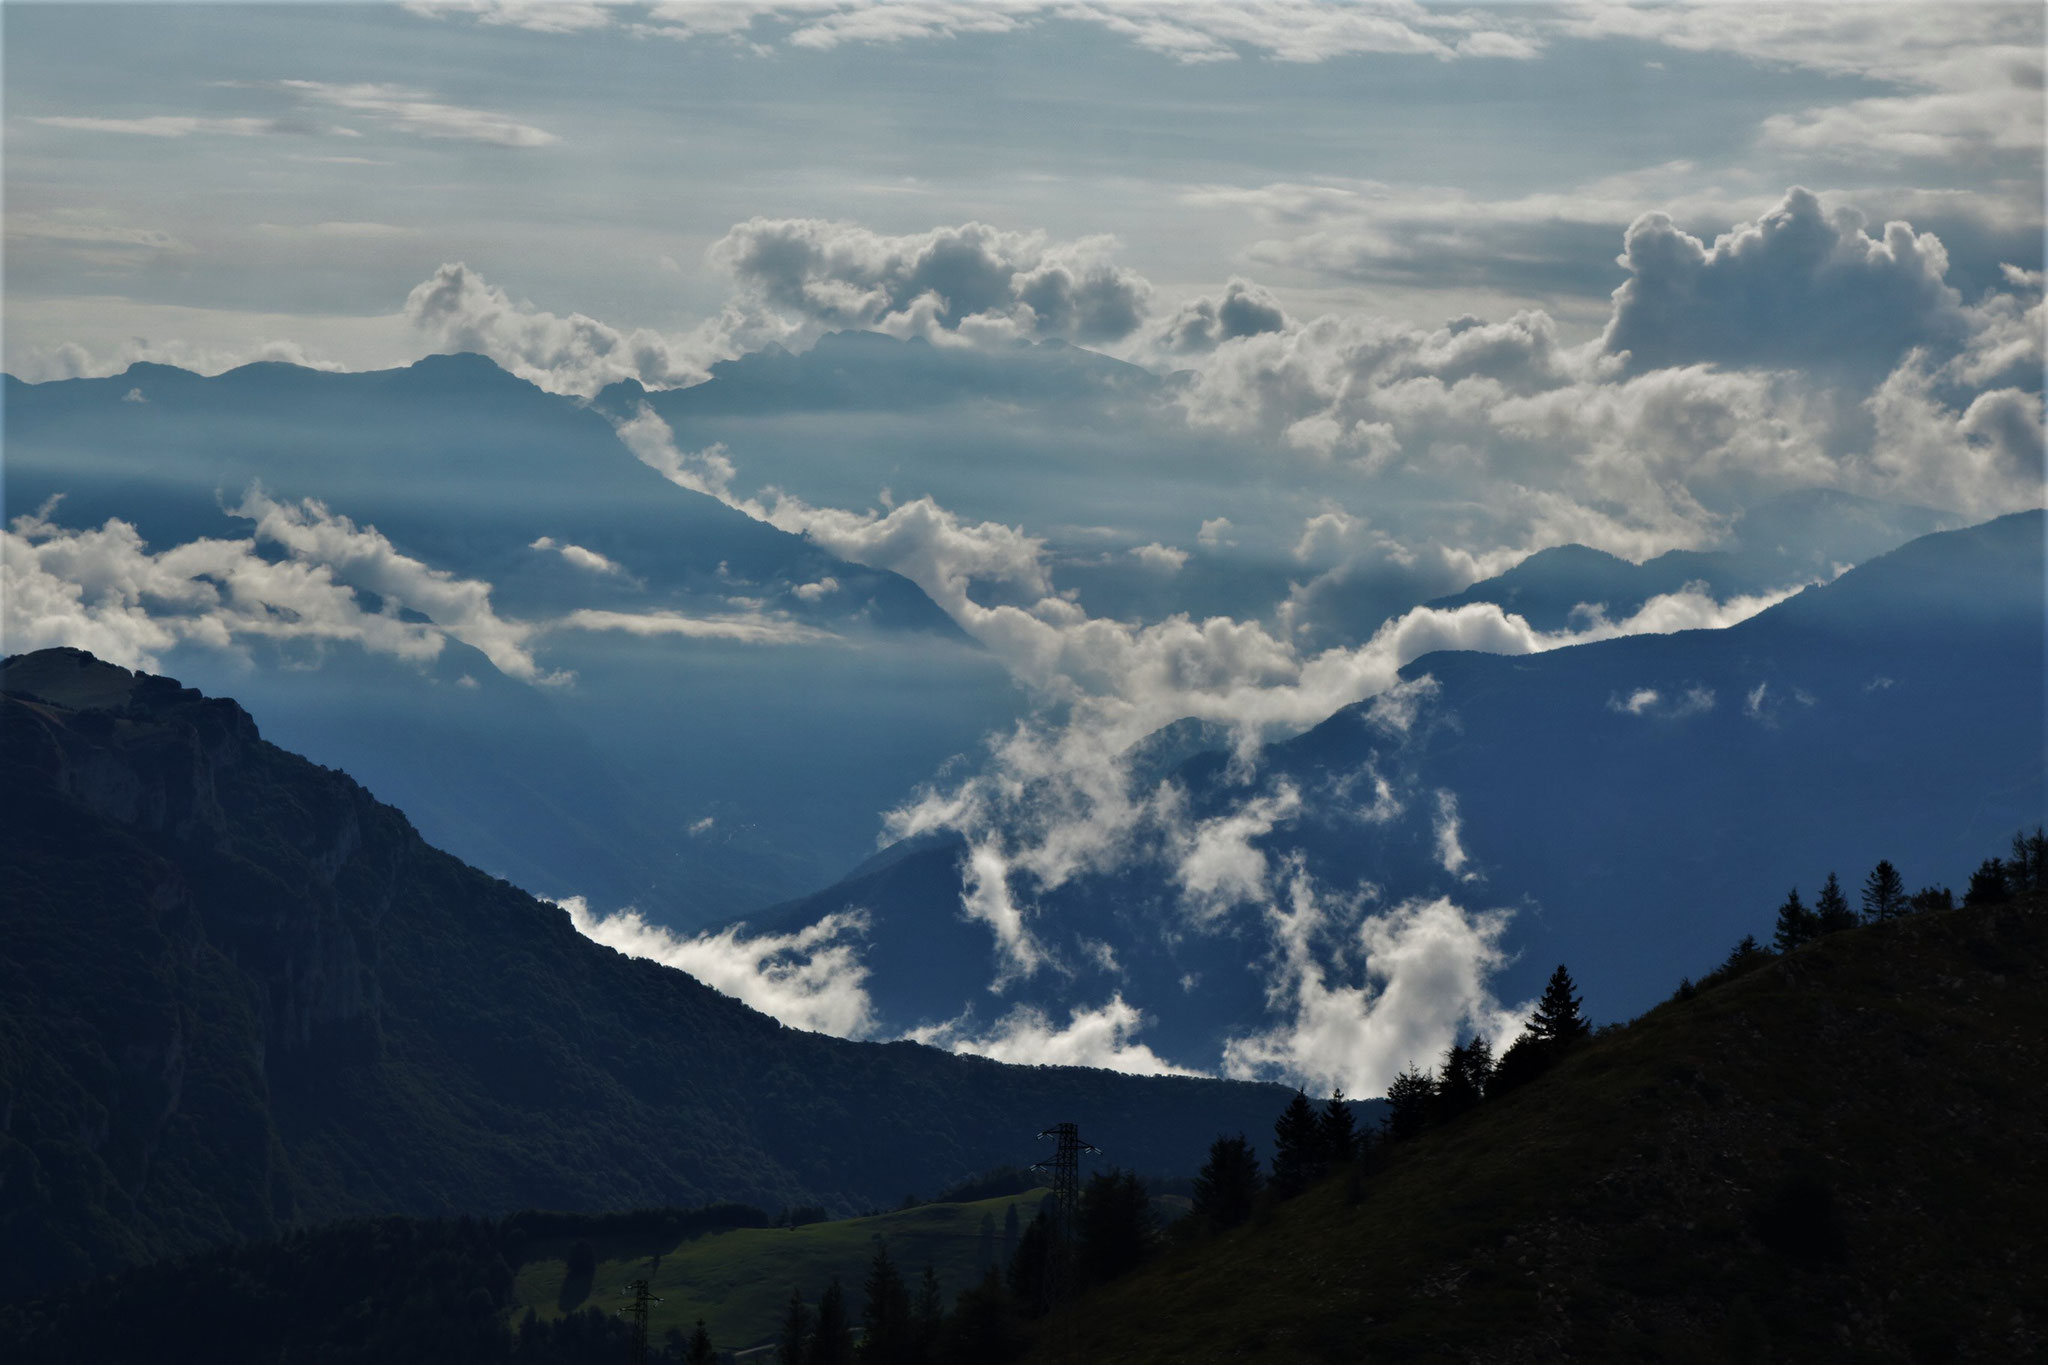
pixel 1982 461
pixel 1202 324
pixel 1105 1037
pixel 972 281
pixel 1799 286
pixel 1419 985
pixel 104 590
pixel 1160 558
pixel 461 311
pixel 812 979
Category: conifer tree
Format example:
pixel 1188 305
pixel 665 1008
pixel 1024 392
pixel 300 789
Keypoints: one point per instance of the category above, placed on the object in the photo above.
pixel 1410 1098
pixel 1557 1019
pixel 1011 1232
pixel 885 1332
pixel 1884 893
pixel 2027 869
pixel 1797 925
pixel 928 1318
pixel 1297 1148
pixel 1831 910
pixel 1116 1226
pixel 1027 1265
pixel 1931 898
pixel 1743 956
pixel 829 1345
pixel 1989 884
pixel 792 1345
pixel 1227 1183
pixel 700 1350
pixel 1339 1130
pixel 985 1242
pixel 980 1330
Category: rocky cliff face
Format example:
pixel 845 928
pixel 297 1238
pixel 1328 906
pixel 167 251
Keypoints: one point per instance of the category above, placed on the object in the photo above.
pixel 183 772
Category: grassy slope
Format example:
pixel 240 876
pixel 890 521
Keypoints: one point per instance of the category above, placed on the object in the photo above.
pixel 739 1281
pixel 1609 1211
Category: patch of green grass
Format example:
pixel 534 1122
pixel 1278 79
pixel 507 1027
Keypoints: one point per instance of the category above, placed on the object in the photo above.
pixel 738 1281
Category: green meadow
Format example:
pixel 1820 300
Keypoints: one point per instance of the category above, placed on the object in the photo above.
pixel 738 1281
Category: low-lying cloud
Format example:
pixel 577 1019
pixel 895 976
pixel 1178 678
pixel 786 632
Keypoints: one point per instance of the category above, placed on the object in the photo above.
pixel 813 979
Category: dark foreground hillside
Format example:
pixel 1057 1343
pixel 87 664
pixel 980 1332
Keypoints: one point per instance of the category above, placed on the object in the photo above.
pixel 238 995
pixel 1841 1156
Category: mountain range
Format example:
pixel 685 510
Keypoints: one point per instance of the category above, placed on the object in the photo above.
pixel 1635 804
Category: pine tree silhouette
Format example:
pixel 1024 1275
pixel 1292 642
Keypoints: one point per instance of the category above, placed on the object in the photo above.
pixel 1227 1183
pixel 1411 1098
pixel 1297 1148
pixel 1884 893
pixel 1338 1129
pixel 1557 1019
pixel 792 1345
pixel 1831 910
pixel 829 1345
pixel 1797 925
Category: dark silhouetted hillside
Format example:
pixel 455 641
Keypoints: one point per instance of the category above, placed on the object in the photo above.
pixel 238 995
pixel 1841 1155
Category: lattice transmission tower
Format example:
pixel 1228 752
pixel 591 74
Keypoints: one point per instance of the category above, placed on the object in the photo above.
pixel 636 1318
pixel 1065 1167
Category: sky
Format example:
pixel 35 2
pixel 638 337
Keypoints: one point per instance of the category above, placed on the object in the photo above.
pixel 1417 289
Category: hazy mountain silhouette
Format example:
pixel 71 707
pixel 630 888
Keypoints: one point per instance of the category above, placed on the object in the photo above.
pixel 695 762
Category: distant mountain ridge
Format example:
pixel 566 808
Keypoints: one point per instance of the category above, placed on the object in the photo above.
pixel 238 994
pixel 1634 802
pixel 477 473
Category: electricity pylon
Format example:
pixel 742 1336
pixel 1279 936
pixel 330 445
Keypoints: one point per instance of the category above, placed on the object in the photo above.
pixel 1065 1166
pixel 636 1315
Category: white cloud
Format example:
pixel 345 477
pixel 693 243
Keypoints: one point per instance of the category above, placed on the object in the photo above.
pixel 1105 1037
pixel 1450 845
pixel 1800 286
pixel 812 979
pixel 589 560
pixel 1191 32
pixel 1160 558
pixel 416 112
pixel 103 590
pixel 971 282
pixel 1202 324
pixel 1214 533
pixel 818 591
pixel 748 628
pixel 163 125
pixel 1422 985
pixel 461 311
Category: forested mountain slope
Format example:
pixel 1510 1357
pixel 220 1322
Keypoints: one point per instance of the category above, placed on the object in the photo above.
pixel 238 994
pixel 1841 1155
